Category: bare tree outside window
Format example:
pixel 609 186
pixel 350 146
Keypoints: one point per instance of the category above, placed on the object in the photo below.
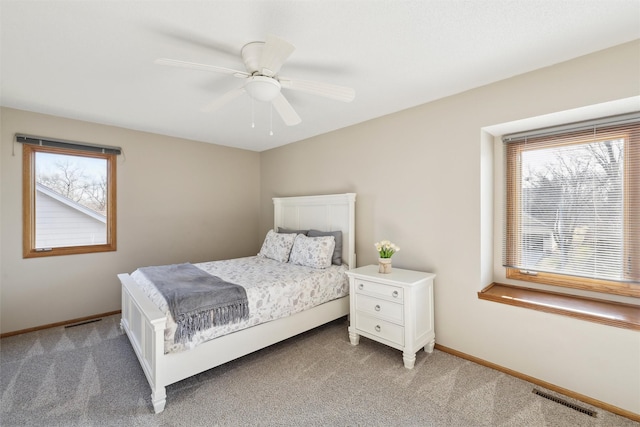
pixel 573 194
pixel 81 179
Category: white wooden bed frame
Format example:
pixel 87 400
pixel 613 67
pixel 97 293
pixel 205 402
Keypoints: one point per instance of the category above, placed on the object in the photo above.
pixel 144 323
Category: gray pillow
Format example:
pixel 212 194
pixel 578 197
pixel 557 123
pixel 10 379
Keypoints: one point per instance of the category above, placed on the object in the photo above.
pixel 337 251
pixel 288 231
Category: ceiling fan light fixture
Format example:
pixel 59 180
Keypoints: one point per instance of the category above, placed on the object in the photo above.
pixel 262 88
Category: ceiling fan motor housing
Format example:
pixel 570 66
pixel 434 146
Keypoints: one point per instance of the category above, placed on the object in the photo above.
pixel 251 54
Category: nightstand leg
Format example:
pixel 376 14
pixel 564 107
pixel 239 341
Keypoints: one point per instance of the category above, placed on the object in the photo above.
pixel 429 347
pixel 354 338
pixel 409 360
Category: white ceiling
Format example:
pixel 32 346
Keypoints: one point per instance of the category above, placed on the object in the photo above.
pixel 93 59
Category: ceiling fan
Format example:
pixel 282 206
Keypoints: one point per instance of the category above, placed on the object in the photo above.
pixel 262 82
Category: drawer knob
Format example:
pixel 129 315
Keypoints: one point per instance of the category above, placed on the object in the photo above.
pixel 378 328
pixel 395 294
pixel 360 286
pixel 377 308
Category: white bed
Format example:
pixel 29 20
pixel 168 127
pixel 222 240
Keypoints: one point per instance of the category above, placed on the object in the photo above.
pixel 145 324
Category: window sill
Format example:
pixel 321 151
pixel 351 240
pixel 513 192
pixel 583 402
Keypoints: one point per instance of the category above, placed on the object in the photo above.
pixel 594 310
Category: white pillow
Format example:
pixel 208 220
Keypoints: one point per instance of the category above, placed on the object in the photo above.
pixel 277 246
pixel 315 252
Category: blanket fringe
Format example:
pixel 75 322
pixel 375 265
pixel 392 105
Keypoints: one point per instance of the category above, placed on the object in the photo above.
pixel 190 323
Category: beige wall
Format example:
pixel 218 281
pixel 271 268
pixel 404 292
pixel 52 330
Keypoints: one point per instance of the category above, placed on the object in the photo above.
pixel 178 201
pixel 424 179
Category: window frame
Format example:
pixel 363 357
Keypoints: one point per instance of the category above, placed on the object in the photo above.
pixel 29 203
pixel 513 176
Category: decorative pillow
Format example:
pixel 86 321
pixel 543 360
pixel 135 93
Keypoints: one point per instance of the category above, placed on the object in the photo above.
pixel 277 246
pixel 337 251
pixel 286 230
pixel 313 252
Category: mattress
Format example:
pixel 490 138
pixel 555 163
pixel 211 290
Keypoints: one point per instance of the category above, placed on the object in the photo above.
pixel 274 290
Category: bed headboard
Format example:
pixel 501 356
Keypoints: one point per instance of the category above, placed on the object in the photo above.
pixel 325 213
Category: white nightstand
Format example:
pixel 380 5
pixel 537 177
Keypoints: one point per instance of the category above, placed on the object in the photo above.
pixel 395 309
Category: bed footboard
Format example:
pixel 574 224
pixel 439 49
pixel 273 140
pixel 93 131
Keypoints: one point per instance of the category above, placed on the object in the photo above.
pixel 144 324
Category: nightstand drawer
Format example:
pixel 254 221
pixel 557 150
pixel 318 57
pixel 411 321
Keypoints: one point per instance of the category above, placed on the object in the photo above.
pixel 380 328
pixel 380 308
pixel 392 293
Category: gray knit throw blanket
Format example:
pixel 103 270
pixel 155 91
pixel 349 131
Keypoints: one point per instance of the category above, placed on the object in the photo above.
pixel 197 300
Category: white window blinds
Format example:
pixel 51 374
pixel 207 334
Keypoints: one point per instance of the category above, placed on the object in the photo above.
pixel 573 200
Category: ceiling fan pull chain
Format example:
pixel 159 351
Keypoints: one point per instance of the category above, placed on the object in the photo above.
pixel 271 119
pixel 253 115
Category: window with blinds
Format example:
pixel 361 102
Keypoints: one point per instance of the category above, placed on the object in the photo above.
pixel 573 206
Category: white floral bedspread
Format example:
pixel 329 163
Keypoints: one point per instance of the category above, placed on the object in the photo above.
pixel 274 289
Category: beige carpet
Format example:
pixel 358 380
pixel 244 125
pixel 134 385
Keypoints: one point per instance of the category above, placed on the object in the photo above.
pixel 89 376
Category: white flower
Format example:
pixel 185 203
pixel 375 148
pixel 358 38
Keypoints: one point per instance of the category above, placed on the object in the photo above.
pixel 386 249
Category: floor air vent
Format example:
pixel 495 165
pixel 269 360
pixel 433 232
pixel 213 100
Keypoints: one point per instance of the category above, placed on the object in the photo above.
pixel 565 403
pixel 82 323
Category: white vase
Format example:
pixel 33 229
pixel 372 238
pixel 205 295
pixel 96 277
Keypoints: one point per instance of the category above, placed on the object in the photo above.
pixel 384 265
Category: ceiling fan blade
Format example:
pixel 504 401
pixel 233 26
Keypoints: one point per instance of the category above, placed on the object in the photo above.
pixel 275 51
pixel 286 111
pixel 202 67
pixel 194 39
pixel 339 93
pixel 224 99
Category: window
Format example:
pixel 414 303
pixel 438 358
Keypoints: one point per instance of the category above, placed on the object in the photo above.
pixel 573 206
pixel 69 197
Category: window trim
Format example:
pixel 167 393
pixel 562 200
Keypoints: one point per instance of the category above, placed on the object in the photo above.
pixel 28 203
pixel 631 246
pixel 595 285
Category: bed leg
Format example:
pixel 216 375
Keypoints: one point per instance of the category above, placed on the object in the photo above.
pixel 159 399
